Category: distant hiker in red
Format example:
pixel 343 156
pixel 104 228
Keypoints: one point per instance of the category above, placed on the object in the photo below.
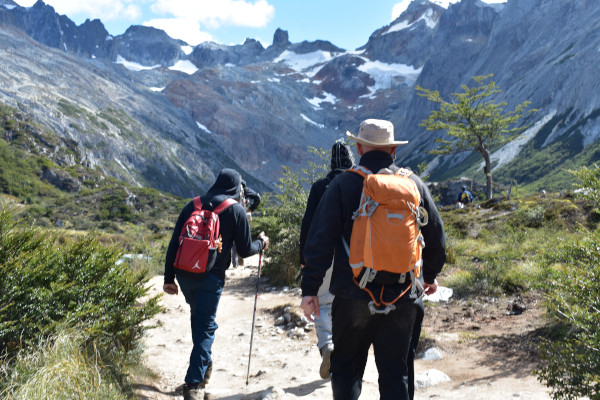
pixel 203 291
pixel 373 306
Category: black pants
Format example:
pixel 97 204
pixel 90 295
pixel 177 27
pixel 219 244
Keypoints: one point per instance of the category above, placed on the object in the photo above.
pixel 394 337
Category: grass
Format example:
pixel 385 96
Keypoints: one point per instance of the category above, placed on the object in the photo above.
pixel 493 252
pixel 63 368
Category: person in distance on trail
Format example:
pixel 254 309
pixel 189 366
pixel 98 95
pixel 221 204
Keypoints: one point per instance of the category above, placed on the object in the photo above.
pixel 464 197
pixel 341 160
pixel 394 335
pixel 203 294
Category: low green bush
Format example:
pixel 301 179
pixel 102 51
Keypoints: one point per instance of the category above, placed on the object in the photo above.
pixel 48 281
pixel 572 366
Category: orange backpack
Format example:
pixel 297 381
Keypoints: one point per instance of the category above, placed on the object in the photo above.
pixel 386 241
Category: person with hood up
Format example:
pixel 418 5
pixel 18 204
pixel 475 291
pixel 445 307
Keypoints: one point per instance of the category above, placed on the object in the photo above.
pixel 203 294
pixel 341 160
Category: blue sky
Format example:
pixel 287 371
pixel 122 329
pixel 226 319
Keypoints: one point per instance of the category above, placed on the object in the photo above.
pixel 345 23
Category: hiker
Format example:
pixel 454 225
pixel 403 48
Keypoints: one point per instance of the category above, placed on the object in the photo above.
pixel 250 199
pixel 464 197
pixel 203 293
pixel 394 335
pixel 341 159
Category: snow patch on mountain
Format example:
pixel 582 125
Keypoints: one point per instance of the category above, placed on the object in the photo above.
pixel 401 25
pixel 301 62
pixel 184 66
pixel 310 121
pixel 512 149
pixel 385 74
pixel 204 128
pixel 133 66
pixel 317 101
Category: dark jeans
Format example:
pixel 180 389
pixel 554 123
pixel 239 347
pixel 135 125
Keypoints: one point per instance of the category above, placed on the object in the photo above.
pixel 203 297
pixel 394 337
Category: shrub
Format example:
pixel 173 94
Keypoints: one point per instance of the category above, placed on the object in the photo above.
pixel 589 184
pixel 283 217
pixel 48 281
pixel 573 360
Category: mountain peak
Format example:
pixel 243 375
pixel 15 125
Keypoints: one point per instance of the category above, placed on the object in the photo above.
pixel 281 38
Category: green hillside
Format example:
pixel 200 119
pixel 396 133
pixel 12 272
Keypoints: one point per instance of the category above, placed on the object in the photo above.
pixel 44 178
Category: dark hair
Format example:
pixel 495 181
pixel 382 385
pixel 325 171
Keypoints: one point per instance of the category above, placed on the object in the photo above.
pixel 341 155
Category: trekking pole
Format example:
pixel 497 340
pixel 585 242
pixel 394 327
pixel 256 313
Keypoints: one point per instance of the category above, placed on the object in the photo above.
pixel 254 316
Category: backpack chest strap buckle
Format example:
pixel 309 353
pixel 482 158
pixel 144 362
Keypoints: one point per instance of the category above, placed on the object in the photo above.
pixel 374 310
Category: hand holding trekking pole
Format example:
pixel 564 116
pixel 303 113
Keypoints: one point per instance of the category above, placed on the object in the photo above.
pixel 264 239
pixel 310 306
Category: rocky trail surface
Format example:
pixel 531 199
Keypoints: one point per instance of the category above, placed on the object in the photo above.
pixel 485 347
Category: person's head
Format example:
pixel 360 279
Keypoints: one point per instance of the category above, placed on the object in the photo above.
pixel 229 182
pixel 375 135
pixel 341 155
pixel 464 188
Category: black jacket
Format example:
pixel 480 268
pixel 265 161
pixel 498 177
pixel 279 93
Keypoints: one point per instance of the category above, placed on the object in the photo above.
pixel 233 222
pixel 333 219
pixel 252 196
pixel 314 197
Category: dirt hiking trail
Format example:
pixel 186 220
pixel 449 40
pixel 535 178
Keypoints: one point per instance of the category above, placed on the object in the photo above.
pixel 486 348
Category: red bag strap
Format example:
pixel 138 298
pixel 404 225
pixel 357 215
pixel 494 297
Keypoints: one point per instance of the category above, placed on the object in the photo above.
pixel 224 205
pixel 197 203
pixel 220 208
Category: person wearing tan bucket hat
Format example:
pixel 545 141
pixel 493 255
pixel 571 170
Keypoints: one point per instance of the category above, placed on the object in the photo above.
pixel 393 335
pixel 376 133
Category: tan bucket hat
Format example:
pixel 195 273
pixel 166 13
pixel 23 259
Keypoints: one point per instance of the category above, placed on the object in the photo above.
pixel 377 133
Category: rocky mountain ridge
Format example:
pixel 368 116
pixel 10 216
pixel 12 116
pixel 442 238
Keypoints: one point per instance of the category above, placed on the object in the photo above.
pixel 156 111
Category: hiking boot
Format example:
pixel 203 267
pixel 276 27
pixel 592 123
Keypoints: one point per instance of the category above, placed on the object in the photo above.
pixel 193 392
pixel 240 261
pixel 326 360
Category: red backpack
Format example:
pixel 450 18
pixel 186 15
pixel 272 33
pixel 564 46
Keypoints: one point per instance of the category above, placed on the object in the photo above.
pixel 199 240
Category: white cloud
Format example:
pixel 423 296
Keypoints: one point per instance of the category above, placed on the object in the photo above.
pixel 182 28
pixel 216 13
pixel 399 8
pixel 104 10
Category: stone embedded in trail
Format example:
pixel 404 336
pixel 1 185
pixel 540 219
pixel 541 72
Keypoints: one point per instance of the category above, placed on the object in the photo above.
pixel 429 378
pixel 432 354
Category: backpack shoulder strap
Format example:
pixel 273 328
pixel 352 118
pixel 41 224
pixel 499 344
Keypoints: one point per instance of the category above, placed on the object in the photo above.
pixel 197 203
pixel 360 170
pixel 224 205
